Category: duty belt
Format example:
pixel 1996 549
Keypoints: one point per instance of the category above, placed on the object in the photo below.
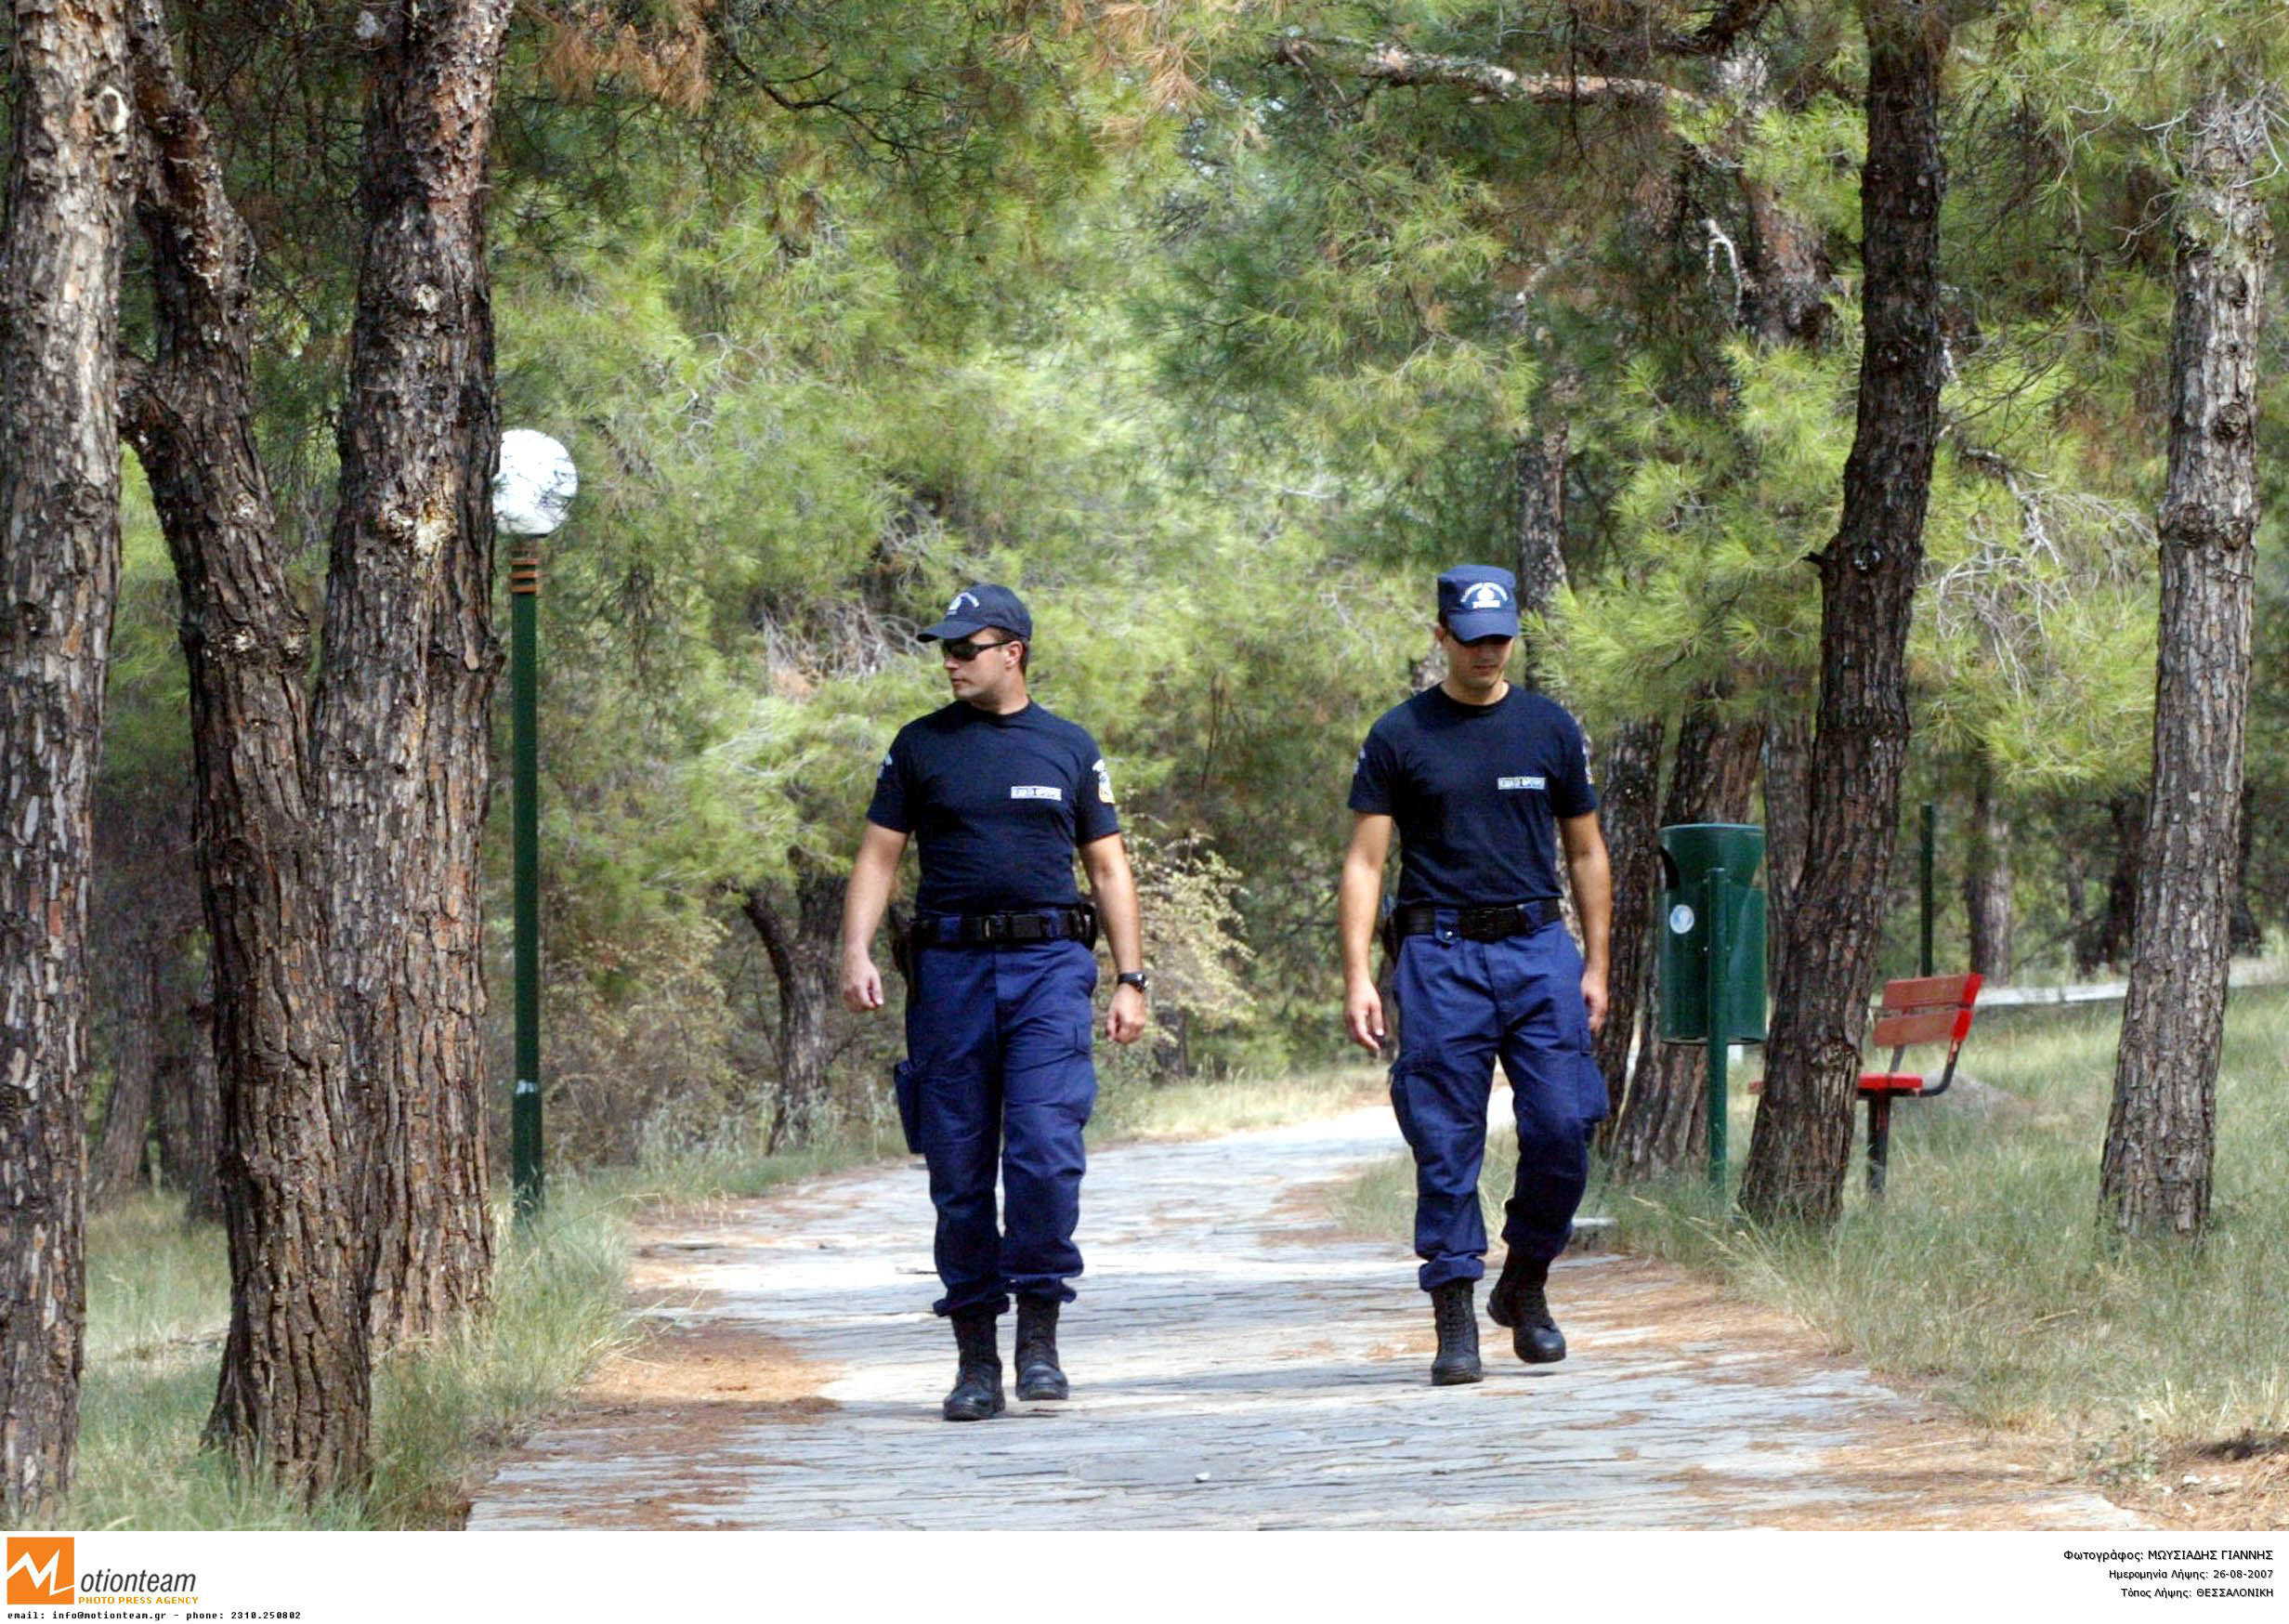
pixel 1477 925
pixel 1077 922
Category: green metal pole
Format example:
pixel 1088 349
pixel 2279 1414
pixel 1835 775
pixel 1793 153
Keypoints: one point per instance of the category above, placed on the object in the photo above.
pixel 524 690
pixel 1931 822
pixel 1720 909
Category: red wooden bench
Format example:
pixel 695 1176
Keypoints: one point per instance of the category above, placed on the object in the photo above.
pixel 1924 1009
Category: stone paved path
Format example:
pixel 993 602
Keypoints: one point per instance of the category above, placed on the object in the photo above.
pixel 1238 1364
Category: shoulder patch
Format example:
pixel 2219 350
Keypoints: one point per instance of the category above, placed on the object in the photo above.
pixel 1105 781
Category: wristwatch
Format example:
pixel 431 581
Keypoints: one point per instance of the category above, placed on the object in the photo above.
pixel 1136 978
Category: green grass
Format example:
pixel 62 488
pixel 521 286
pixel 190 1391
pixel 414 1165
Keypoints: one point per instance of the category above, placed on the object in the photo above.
pixel 1985 1273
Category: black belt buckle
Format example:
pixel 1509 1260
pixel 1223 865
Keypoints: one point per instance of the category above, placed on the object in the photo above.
pixel 1489 924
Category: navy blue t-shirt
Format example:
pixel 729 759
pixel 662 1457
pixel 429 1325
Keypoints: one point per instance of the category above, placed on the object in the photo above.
pixel 996 804
pixel 1476 792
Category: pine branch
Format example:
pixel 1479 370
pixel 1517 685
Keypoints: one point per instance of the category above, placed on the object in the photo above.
pixel 1386 63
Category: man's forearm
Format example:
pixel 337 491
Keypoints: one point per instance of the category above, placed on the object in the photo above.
pixel 1594 904
pixel 863 904
pixel 1354 919
pixel 1124 924
pixel 1112 887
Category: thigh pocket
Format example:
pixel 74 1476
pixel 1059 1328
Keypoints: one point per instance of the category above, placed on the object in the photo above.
pixel 906 1085
pixel 1580 1060
pixel 1401 1102
pixel 1588 1086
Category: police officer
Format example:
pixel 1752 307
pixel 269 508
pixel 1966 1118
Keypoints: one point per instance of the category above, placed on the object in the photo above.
pixel 998 794
pixel 1486 784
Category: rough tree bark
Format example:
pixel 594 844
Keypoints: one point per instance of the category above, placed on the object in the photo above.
pixel 1540 473
pixel 801 946
pixel 2161 1136
pixel 1629 785
pixel 2106 939
pixel 402 770
pixel 117 1166
pixel 66 203
pixel 1987 877
pixel 2247 935
pixel 1665 1120
pixel 1787 754
pixel 189 1085
pixel 1799 1151
pixel 292 1400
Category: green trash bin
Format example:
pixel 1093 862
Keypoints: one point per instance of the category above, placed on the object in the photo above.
pixel 1698 861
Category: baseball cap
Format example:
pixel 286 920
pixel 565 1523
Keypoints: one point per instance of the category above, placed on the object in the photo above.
pixel 976 607
pixel 1478 600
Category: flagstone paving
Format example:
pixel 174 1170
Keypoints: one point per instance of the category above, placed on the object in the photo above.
pixel 1238 1362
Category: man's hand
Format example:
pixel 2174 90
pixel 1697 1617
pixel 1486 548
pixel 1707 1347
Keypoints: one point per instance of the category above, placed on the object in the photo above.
pixel 1124 1023
pixel 1363 1013
pixel 1593 1000
pixel 862 984
pixel 871 875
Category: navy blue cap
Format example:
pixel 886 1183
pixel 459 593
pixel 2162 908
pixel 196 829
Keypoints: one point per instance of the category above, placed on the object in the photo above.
pixel 976 607
pixel 1478 600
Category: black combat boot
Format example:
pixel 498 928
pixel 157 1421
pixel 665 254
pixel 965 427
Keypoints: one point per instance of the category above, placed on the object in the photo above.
pixel 1458 1322
pixel 1038 1375
pixel 977 1383
pixel 1517 1302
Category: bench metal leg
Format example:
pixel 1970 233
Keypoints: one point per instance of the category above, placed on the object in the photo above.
pixel 1879 1141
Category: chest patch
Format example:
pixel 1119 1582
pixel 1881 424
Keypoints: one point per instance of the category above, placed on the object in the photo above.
pixel 1036 792
pixel 1523 781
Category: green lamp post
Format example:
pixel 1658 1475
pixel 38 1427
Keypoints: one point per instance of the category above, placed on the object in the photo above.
pixel 531 497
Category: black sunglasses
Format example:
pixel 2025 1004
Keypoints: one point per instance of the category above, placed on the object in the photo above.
pixel 966 650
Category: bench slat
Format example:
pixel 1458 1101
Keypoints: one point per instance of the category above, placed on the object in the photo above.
pixel 1923 991
pixel 1894 1032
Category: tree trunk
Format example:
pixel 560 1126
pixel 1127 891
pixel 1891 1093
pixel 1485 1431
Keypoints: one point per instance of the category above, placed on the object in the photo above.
pixel 402 766
pixel 1802 1146
pixel 1541 526
pixel 802 951
pixel 292 1400
pixel 1629 782
pixel 1541 573
pixel 1665 1120
pixel 2106 940
pixel 1787 291
pixel 2161 1135
pixel 2247 936
pixel 1788 791
pixel 118 1165
pixel 60 262
pixel 190 1113
pixel 1987 878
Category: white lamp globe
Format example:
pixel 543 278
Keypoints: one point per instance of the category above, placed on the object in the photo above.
pixel 534 489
